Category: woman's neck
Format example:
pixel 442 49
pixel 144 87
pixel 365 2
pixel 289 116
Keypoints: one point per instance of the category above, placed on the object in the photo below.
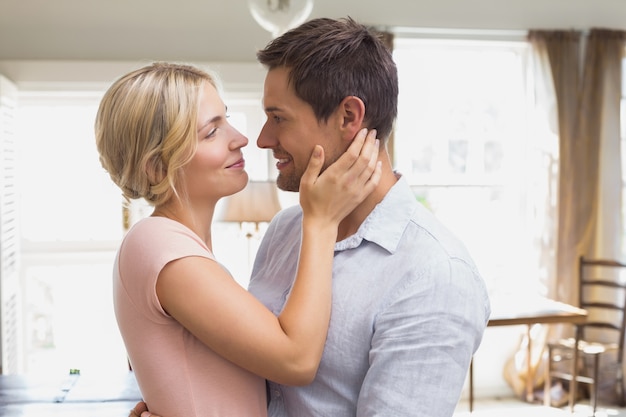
pixel 198 220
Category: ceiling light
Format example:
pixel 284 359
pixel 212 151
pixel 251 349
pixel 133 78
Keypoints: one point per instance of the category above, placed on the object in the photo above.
pixel 278 16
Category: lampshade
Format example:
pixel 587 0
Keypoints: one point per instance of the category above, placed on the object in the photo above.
pixel 278 16
pixel 256 203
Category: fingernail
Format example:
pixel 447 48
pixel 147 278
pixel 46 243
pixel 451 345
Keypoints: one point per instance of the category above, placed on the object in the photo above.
pixel 146 414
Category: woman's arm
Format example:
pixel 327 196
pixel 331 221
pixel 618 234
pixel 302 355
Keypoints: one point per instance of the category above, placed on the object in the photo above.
pixel 215 308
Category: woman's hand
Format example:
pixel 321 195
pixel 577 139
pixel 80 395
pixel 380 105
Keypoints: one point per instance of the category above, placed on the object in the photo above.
pixel 333 194
pixel 141 410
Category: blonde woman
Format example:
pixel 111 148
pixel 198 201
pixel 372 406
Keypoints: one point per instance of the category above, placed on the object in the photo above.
pixel 200 344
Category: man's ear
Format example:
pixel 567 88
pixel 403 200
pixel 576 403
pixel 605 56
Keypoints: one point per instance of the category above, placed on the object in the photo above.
pixel 352 112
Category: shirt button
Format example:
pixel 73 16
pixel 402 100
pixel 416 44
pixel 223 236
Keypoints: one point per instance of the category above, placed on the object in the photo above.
pixel 276 393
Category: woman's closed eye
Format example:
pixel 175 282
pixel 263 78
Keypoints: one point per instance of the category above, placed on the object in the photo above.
pixel 211 133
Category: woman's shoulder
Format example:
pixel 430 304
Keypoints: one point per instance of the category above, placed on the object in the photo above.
pixel 158 225
pixel 158 231
pixel 155 222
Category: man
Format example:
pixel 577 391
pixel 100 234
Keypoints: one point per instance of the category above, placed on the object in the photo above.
pixel 409 306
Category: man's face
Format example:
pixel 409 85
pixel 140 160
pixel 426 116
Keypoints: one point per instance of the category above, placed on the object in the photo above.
pixel 292 130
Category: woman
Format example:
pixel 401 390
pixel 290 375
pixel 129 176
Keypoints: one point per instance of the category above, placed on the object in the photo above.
pixel 200 345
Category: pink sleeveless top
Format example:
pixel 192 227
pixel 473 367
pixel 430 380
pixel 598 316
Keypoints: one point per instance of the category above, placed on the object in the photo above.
pixel 178 375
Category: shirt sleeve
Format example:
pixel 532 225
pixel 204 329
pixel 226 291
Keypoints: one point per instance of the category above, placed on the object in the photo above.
pixel 423 343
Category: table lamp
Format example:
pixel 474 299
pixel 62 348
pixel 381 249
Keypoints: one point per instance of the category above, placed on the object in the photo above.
pixel 257 203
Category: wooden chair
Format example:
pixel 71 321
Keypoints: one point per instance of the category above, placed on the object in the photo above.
pixel 602 292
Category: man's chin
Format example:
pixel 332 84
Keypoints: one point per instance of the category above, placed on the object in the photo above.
pixel 285 183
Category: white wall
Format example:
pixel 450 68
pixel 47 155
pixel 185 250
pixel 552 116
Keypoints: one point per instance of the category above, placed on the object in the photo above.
pixel 103 39
pixel 220 31
pixel 98 75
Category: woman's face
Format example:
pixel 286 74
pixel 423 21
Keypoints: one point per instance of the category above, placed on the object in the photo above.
pixel 217 168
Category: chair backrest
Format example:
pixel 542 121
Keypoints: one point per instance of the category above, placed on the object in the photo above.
pixel 602 293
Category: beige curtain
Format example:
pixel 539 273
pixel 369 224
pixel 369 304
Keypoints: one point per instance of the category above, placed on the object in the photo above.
pixel 601 96
pixel 587 92
pixel 600 100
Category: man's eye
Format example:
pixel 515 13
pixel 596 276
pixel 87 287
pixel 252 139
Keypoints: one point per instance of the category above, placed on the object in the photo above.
pixel 277 119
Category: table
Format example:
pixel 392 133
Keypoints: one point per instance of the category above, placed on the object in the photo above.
pixel 111 395
pixel 528 311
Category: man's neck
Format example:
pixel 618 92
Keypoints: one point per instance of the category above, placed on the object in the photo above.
pixel 353 221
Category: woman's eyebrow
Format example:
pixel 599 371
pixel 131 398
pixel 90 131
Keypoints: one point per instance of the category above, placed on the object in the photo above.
pixel 208 122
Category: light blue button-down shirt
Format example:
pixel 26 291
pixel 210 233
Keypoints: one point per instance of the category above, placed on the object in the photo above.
pixel 409 310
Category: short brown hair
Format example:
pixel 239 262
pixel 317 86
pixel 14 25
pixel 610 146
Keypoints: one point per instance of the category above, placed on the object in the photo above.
pixel 329 60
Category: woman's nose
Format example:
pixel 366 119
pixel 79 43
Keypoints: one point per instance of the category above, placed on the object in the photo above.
pixel 239 140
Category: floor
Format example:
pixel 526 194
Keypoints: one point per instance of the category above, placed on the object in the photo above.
pixel 92 396
pixel 513 407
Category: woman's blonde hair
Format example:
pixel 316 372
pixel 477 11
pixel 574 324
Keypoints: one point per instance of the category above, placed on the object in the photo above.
pixel 146 129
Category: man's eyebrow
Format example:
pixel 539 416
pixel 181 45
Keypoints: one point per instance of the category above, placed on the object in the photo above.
pixel 272 109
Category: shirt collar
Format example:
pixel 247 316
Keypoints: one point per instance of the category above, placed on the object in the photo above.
pixel 385 225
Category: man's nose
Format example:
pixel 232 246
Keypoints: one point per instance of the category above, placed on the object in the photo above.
pixel 266 139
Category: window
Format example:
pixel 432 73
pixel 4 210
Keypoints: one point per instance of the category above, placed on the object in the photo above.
pixel 463 142
pixel 66 195
pixel 70 224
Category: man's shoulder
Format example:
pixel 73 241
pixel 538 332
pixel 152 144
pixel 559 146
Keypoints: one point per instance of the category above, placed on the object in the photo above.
pixel 287 216
pixel 284 229
pixel 434 231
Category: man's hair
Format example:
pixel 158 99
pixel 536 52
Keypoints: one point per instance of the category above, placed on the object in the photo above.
pixel 329 60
